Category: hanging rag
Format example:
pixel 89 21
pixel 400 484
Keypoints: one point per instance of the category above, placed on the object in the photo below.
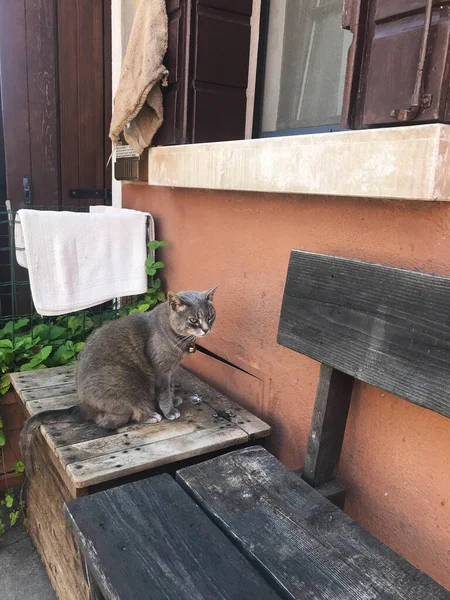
pixel 138 103
pixel 101 208
pixel 79 260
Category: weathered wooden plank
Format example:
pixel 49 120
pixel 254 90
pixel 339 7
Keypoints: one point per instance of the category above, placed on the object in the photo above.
pixel 64 401
pixel 46 495
pixel 53 392
pixel 15 101
pixel 94 591
pixel 69 429
pixel 133 436
pixel 150 538
pixel 386 326
pixel 90 82
pixel 29 380
pixel 252 425
pixel 107 91
pixel 69 102
pixel 41 26
pixel 326 435
pixel 150 456
pixel 305 546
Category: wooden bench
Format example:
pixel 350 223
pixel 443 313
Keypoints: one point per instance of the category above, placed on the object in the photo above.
pixel 74 458
pixel 385 326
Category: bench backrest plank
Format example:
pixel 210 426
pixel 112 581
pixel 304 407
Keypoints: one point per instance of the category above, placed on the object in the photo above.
pixel 386 326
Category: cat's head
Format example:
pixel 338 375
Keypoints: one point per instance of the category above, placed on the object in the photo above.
pixel 192 313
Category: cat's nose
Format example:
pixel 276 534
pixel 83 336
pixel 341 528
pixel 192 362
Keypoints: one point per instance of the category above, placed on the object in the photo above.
pixel 204 330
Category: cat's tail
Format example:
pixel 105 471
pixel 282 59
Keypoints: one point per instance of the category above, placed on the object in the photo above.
pixel 31 427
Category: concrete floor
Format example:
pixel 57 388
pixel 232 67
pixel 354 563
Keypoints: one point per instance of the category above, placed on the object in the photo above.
pixel 22 575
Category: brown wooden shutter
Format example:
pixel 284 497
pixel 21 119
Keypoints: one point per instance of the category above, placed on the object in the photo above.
pixel 174 128
pixel 384 59
pixel 220 70
pixel 208 58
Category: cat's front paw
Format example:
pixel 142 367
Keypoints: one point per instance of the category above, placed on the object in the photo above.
pixel 173 414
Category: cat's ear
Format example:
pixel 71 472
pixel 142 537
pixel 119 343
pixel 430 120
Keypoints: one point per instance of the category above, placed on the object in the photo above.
pixel 209 294
pixel 175 301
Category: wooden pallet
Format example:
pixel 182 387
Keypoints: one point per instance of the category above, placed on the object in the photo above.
pixel 74 458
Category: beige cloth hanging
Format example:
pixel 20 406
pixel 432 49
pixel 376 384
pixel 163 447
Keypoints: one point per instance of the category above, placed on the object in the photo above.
pixel 138 105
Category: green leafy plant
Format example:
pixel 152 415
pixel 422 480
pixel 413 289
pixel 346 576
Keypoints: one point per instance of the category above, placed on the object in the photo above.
pixel 33 343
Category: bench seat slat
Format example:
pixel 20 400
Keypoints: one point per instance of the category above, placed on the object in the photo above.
pixel 150 540
pixel 310 549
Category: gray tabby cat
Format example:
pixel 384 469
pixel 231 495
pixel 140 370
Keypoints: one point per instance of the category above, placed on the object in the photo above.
pixel 125 371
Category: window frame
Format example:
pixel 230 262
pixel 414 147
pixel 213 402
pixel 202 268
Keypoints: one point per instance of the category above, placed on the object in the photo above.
pixel 263 35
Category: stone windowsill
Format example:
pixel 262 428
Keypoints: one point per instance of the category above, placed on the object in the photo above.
pixel 410 163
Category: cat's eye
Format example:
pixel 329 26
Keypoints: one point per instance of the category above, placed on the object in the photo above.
pixel 193 321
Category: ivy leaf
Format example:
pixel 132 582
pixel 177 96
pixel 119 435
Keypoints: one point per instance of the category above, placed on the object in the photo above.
pixel 2 439
pixel 5 384
pixel 26 342
pixel 57 332
pixel 79 347
pixel 75 324
pixel 8 328
pixel 41 331
pixel 143 307
pixel 161 297
pixel 149 261
pixel 151 271
pixel 64 353
pixel 9 500
pixel 13 517
pixel 158 265
pixel 36 361
pixel 154 245
pixel 19 467
pixel 21 323
pixel 6 344
pixel 12 326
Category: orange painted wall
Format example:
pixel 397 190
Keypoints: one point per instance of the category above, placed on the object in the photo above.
pixel 396 456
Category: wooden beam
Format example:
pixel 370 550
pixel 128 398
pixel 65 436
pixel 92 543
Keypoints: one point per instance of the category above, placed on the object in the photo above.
pixel 332 491
pixel 326 435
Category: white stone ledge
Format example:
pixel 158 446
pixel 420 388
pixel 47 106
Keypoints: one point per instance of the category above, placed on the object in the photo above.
pixel 410 163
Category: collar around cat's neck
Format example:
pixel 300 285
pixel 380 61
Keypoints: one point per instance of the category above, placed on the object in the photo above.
pixel 191 348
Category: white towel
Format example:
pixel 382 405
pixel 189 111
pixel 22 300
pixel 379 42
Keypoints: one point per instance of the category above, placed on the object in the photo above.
pixel 101 208
pixel 79 260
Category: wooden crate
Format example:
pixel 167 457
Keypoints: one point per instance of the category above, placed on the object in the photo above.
pixel 73 458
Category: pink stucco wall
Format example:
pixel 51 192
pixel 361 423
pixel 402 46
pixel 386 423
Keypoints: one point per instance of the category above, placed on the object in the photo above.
pixel 396 456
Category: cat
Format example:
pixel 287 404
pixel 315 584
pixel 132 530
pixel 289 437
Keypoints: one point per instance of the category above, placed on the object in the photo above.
pixel 125 370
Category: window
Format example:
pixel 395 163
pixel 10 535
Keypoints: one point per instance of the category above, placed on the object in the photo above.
pixel 305 63
pixel 312 74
